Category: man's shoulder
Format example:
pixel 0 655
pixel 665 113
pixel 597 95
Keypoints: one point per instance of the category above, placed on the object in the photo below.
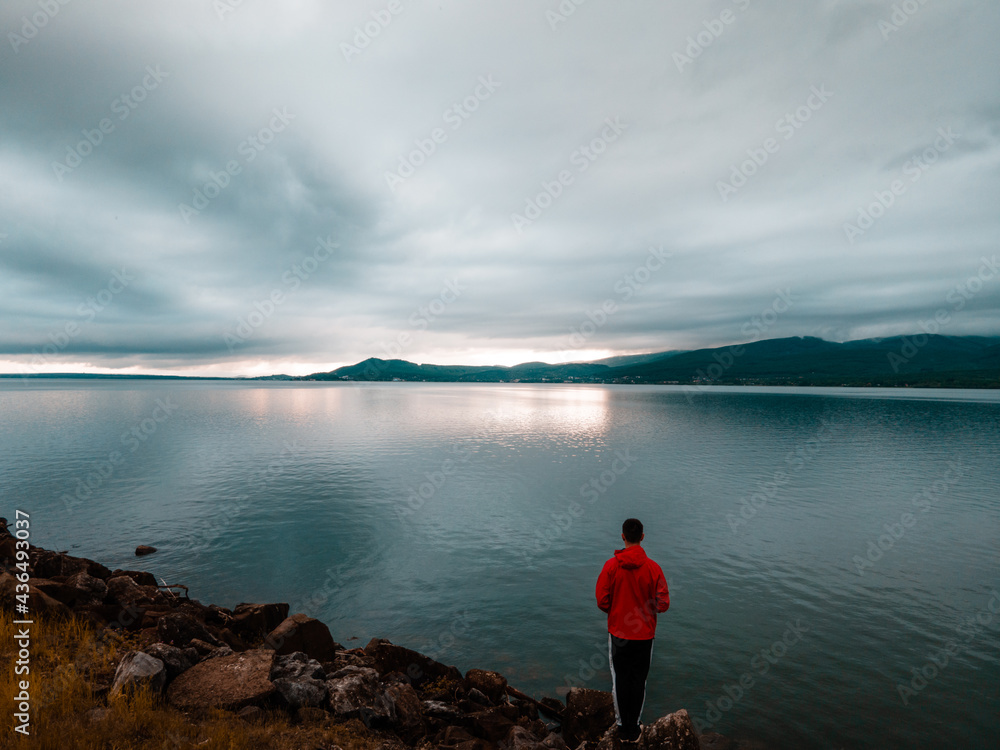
pixel 654 566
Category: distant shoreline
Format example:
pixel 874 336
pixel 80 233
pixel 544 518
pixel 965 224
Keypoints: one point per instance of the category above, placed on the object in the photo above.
pixel 925 361
pixel 699 386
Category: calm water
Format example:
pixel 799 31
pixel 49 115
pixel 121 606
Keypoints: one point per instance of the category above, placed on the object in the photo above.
pixel 470 522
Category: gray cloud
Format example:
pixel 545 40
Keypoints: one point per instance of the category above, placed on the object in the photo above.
pixel 484 111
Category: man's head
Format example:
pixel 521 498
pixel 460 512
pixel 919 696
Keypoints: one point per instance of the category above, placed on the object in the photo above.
pixel 632 531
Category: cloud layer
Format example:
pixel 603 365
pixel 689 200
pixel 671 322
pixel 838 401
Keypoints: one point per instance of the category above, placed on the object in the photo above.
pixel 228 187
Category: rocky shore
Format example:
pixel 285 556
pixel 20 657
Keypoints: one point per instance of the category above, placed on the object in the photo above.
pixel 258 657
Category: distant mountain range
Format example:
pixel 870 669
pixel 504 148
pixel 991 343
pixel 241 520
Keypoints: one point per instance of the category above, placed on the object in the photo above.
pixel 916 361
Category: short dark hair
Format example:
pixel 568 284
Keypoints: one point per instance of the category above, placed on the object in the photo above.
pixel 632 529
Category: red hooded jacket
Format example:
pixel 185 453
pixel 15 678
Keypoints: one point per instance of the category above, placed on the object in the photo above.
pixel 632 589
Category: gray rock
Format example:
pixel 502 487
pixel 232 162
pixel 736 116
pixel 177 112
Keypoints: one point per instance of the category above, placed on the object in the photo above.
pixel 554 741
pixel 296 666
pixel 351 689
pixel 126 592
pixel 672 732
pixel 519 738
pixel 477 696
pixel 441 710
pixel 215 653
pixel 176 660
pixel 491 684
pixel 587 716
pixel 304 691
pixel 179 629
pixel 299 680
pixel 139 670
pixel 402 709
pixel 92 589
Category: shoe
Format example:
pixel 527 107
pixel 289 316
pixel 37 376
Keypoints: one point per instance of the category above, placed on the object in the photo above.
pixel 630 737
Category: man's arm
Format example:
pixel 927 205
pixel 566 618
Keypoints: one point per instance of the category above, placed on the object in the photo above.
pixel 662 594
pixel 603 591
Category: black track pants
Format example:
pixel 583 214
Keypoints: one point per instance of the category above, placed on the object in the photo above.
pixel 629 668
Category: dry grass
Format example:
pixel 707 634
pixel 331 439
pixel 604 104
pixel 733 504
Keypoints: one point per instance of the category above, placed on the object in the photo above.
pixel 69 659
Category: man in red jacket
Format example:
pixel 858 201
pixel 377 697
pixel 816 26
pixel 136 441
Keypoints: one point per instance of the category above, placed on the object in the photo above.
pixel 631 589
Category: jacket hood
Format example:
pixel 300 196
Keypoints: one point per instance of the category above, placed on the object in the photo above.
pixel 631 557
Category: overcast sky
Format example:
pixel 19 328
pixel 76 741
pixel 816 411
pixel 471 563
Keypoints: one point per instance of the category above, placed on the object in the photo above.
pixel 256 187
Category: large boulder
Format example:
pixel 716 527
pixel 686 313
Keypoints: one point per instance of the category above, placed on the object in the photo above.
pixel 228 682
pixel 176 660
pixel 418 668
pixel 255 620
pixel 491 724
pixel 179 629
pixel 399 708
pixel 138 670
pixel 38 601
pixel 124 590
pixel 48 564
pixel 300 680
pixel 521 738
pixel 92 590
pixel 491 684
pixel 351 689
pixel 303 633
pixel 141 577
pixel 672 732
pixel 57 590
pixel 588 715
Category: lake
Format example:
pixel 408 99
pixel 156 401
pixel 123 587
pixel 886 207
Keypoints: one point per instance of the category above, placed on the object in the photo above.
pixel 832 554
